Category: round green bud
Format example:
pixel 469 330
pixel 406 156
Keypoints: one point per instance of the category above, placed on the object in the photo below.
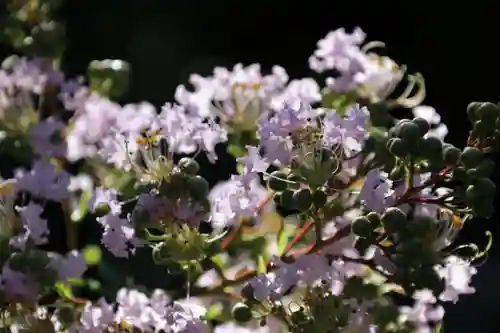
pixel 460 173
pixel 241 313
pixel 294 181
pixel 198 187
pixel 287 198
pixel 451 155
pixel 102 209
pixel 484 128
pixel 472 110
pixel 302 199
pixel 397 147
pixel 277 199
pixel 472 195
pixel 276 181
pixel 422 124
pixel 485 168
pixel 409 132
pixel 370 143
pixel 485 186
pixel 471 156
pixel 432 148
pixel 487 111
pixel 188 166
pixel 319 198
pixel 472 175
pixel 374 219
pixel 393 219
pixel 362 227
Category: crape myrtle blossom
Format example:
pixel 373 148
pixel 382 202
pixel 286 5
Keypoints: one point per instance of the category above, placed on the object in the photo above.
pixel 149 314
pixel 239 96
pixel 310 219
pixel 368 73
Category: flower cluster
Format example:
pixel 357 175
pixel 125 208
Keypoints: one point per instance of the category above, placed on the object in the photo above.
pixel 342 217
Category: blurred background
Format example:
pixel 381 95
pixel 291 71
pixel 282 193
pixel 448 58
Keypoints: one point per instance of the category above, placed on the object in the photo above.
pixel 165 41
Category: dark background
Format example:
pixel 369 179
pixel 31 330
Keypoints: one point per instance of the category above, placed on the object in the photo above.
pixel 453 47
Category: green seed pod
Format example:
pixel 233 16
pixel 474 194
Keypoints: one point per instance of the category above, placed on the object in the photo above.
pixel 275 181
pixel 188 166
pixel 277 199
pixel 302 199
pixel 484 128
pixel 319 198
pixel 362 227
pixel 473 195
pixel 294 181
pixel 397 147
pixel 451 155
pixel 198 187
pixel 422 124
pixel 241 313
pixel 393 219
pixel 471 156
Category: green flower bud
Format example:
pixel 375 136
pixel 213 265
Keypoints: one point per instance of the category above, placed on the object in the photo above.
pixel 471 156
pixel 393 219
pixel 319 198
pixel 362 227
pixel 451 155
pixel 109 76
pixel 198 187
pixel 432 149
pixel 275 181
pixel 277 199
pixel 287 198
pixel 295 181
pixel 409 132
pixel 485 186
pixel 460 173
pixel 102 209
pixel 175 187
pixel 472 195
pixel 241 313
pixel 374 219
pixel 397 147
pixel 188 166
pixel 422 124
pixel 302 199
pixel 472 110
pixel 485 168
pixel 471 175
pixel 483 128
pixel 488 112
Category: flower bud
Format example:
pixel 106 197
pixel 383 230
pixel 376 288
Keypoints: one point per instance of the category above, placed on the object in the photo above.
pixel 393 219
pixel 471 156
pixel 188 166
pixel 275 181
pixel 198 187
pixel 241 313
pixel 362 227
pixel 397 147
pixel 485 186
pixel 422 124
pixel 374 219
pixel 451 155
pixel 109 76
pixel 319 198
pixel 432 149
pixel 287 199
pixel 102 209
pixel 488 112
pixel 472 110
pixel 302 199
pixel 409 132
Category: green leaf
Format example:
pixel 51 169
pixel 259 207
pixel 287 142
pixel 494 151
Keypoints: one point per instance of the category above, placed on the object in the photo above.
pixel 79 214
pixel 261 264
pixel 282 240
pixel 236 150
pixel 64 290
pixel 92 254
pixel 214 311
